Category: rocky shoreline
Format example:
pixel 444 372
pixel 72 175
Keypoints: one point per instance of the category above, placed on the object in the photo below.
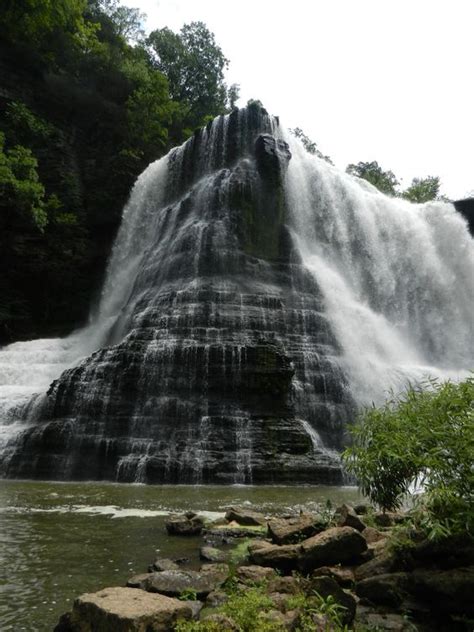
pixel 348 569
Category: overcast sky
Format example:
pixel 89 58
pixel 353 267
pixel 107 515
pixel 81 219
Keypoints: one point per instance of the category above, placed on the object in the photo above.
pixel 381 80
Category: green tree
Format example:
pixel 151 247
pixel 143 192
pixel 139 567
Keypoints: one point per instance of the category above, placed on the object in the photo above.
pixel 422 189
pixel 194 65
pixel 127 21
pixel 310 146
pixel 384 181
pixel 21 193
pixel 425 436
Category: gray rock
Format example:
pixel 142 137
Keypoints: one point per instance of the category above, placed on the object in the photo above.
pixel 372 535
pixel 284 558
pixel 294 529
pixel 327 586
pixel 381 565
pixel 126 610
pixel 254 574
pixel 181 525
pixel 347 517
pixel 447 591
pixel 222 622
pixel 163 564
pixel 245 517
pixel 211 554
pixel 338 545
pixel 196 607
pixel 216 598
pixel 175 583
pixel 343 575
pixel 446 553
pixel 387 590
pixel 139 581
pixel 288 585
pixel 384 621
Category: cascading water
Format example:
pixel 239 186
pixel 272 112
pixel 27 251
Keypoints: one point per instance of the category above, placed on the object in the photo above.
pixel 254 295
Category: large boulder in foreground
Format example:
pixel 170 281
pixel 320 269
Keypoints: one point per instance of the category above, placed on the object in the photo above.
pixel 291 530
pixel 338 545
pixel 283 558
pixel 126 610
pixel 182 525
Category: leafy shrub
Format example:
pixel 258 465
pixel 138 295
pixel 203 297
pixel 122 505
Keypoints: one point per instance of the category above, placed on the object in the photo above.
pixel 423 438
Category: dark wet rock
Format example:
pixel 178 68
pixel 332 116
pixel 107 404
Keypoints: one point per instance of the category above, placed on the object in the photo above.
pixel 446 553
pixel 126 610
pixel 181 525
pixel 343 575
pixel 466 208
pixel 139 581
pixel 294 529
pixel 175 583
pixel 448 591
pixel 284 558
pixel 382 564
pixel 272 156
pixel 389 518
pixel 338 545
pixel 373 619
pixel 163 564
pixel 328 587
pixel 222 320
pixel 347 517
pixel 388 590
pixel 245 517
pixel 254 574
pixel 211 554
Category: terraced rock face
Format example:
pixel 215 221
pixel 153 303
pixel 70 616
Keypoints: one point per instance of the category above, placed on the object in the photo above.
pixel 215 361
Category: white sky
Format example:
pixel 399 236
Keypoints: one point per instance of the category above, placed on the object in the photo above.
pixel 385 80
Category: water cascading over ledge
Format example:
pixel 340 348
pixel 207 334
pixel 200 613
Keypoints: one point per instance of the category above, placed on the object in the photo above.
pixel 213 359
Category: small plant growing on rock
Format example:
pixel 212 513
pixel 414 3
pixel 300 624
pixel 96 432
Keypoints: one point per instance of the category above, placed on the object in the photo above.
pixel 421 438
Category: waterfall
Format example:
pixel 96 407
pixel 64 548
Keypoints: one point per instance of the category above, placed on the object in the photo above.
pixel 254 298
pixel 397 277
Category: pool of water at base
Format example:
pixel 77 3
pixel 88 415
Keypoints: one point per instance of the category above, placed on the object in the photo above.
pixel 59 540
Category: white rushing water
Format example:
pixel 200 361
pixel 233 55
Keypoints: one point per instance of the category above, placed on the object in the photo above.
pixel 397 281
pixel 28 368
pixel 397 278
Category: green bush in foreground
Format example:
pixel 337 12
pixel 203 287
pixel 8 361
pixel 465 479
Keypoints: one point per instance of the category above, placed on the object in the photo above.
pixel 422 437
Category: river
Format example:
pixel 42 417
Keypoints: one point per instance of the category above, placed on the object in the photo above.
pixel 58 540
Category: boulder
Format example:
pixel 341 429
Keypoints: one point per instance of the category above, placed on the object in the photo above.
pixel 245 517
pixel 338 545
pixel 446 553
pixel 216 598
pixel 371 619
pixel 343 575
pixel 327 586
pixel 389 518
pixel 211 554
pixel 379 565
pixel 126 610
pixel 181 525
pixel 234 530
pixel 447 591
pixel 288 585
pixel 372 535
pixel 254 574
pixel 388 590
pixel 294 529
pixel 163 564
pixel 175 583
pixel 362 509
pixel 139 581
pixel 347 517
pixel 284 558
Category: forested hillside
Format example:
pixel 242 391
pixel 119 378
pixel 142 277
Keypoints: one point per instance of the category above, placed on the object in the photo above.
pixel 86 102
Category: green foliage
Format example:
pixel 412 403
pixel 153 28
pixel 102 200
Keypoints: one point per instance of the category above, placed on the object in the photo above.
pixel 310 146
pixel 188 595
pixel 21 192
pixel 424 436
pixel 194 65
pixel 384 181
pixel 422 189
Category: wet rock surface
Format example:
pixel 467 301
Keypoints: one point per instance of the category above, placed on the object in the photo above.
pixel 222 366
pixel 294 529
